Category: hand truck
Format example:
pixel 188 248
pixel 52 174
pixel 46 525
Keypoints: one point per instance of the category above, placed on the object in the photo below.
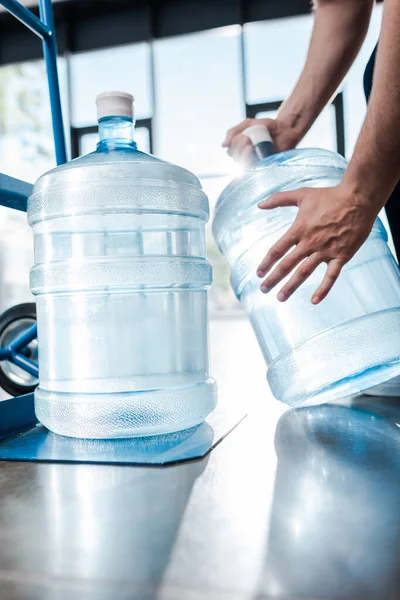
pixel 19 370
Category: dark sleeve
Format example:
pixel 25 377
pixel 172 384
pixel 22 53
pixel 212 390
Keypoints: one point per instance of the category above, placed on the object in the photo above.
pixel 369 74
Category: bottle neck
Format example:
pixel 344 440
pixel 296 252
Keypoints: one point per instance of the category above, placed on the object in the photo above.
pixel 116 133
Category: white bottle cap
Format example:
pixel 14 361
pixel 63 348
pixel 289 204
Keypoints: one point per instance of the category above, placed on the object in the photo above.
pixel 257 134
pixel 114 104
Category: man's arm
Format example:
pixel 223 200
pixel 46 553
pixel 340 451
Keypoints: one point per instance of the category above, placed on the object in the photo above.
pixel 340 27
pixel 332 223
pixel 339 30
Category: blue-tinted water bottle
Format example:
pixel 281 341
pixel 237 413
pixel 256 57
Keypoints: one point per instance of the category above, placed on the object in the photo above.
pixel 121 280
pixel 348 343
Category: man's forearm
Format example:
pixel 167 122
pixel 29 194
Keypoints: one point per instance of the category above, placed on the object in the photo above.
pixel 374 169
pixel 339 30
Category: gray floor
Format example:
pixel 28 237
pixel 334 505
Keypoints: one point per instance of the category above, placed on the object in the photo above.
pixel 297 505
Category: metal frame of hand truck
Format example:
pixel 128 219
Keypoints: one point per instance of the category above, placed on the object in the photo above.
pixel 13 192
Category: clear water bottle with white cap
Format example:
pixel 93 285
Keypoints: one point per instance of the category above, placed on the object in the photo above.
pixel 348 343
pixel 121 280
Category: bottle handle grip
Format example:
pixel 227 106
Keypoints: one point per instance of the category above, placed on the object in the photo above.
pixel 261 139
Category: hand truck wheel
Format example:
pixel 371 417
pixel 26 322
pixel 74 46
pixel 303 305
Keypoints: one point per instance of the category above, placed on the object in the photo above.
pixel 13 322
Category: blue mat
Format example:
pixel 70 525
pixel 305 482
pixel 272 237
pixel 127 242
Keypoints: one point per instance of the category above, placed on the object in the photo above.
pixel 23 439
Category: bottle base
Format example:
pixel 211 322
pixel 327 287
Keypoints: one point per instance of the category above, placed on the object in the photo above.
pixel 339 362
pixel 126 414
pixel 389 389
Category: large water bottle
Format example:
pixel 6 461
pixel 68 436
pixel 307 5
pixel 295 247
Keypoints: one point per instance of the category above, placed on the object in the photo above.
pixel 121 279
pixel 348 343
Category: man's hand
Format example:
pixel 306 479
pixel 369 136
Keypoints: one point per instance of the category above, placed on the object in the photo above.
pixel 331 225
pixel 240 147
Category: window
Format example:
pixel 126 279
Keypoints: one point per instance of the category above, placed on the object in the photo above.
pixel 125 68
pixel 26 140
pixel 26 151
pixel 275 52
pixel 199 96
pixel 16 252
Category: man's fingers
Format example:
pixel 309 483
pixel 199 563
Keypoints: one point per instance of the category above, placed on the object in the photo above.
pixel 282 199
pixel 247 157
pixel 238 146
pixel 235 131
pixel 278 250
pixel 332 273
pixel 302 273
pixel 283 269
